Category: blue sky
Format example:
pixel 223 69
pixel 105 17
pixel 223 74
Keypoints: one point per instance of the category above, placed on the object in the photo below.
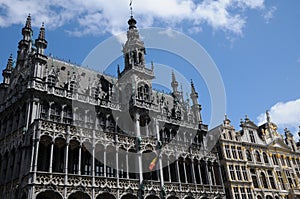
pixel 254 43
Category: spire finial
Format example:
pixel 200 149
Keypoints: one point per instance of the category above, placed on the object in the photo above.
pixel 268 116
pixel 131 21
pixel 130 5
pixel 28 21
pixel 42 32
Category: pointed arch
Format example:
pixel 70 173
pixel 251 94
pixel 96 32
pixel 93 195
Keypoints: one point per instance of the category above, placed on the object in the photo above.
pixel 105 196
pixel 49 194
pixel 59 155
pixel 79 195
pixel 44 152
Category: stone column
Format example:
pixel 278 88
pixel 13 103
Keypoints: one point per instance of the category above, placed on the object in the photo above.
pixel 67 155
pixel 104 162
pixel 51 156
pixel 79 159
pixel 138 134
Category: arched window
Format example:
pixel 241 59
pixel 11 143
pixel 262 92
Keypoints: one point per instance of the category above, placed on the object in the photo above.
pixel 59 155
pixel 144 92
pixel 275 161
pixel 230 135
pixel 44 153
pixel 257 156
pixel 266 159
pixel 263 180
pixel 51 81
pixel 248 154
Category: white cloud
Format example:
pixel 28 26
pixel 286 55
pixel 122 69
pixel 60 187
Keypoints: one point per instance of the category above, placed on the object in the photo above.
pixel 285 115
pixel 268 15
pixel 100 16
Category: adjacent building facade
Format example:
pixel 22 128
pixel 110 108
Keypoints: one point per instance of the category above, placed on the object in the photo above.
pixel 67 132
pixel 258 162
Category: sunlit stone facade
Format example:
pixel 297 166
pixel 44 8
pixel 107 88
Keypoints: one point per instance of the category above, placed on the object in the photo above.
pixel 258 162
pixel 67 132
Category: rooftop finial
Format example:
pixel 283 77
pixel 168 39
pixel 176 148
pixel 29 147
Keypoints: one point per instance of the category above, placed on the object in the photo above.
pixel 268 116
pixel 132 21
pixel 130 5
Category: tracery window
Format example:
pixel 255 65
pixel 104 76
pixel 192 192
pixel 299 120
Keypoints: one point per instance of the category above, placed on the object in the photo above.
pixel 144 92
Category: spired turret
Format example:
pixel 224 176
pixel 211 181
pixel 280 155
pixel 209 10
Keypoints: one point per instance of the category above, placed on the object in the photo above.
pixel 196 107
pixel 40 42
pixel 25 45
pixel 7 71
pixel 40 59
pixel 134 49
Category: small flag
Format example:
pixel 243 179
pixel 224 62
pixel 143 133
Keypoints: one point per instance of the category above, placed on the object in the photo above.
pixel 152 164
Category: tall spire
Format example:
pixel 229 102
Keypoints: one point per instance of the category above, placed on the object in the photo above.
pixel 40 42
pixel 196 107
pixel 194 94
pixel 27 31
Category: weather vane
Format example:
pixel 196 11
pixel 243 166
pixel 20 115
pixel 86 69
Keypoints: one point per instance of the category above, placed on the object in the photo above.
pixel 130 4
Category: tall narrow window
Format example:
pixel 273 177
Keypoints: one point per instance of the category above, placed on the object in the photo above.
pixel 236 193
pixel 243 193
pixel 252 138
pixel 289 178
pixel 249 193
pixel 275 161
pixel 271 179
pixel 254 178
pixel 244 171
pixel 232 173
pixel 248 154
pixel 280 179
pixel 238 172
pixel 257 156
pixel 263 180
pixel 240 153
pixel 233 152
pixel 265 156
pixel 282 161
pixel 227 149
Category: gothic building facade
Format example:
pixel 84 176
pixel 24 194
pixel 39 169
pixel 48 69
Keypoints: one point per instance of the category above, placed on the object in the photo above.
pixel 67 132
pixel 258 162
